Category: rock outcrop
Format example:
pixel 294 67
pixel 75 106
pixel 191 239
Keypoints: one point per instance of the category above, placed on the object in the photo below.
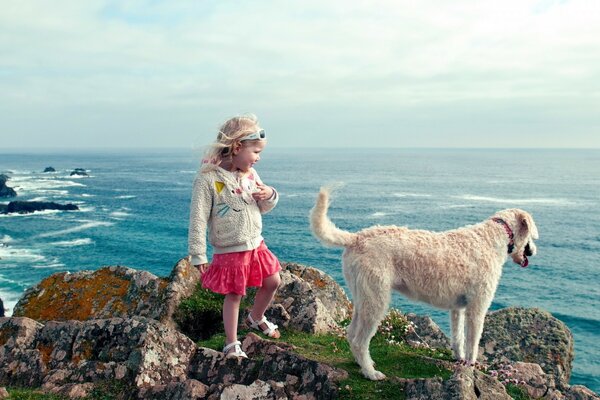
pixel 79 172
pixel 108 292
pixel 151 360
pixel 528 335
pixel 26 207
pixel 6 191
pixel 311 301
pixel 75 332
pixel 465 384
pixel 49 169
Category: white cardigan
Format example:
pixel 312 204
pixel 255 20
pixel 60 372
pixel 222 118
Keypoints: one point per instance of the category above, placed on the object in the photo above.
pixel 223 204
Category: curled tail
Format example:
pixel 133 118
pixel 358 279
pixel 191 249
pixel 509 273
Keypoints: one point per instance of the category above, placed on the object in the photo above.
pixel 323 228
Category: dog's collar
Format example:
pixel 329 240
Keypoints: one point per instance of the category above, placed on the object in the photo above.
pixel 509 232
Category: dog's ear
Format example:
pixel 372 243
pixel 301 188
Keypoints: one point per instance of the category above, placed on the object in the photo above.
pixel 526 225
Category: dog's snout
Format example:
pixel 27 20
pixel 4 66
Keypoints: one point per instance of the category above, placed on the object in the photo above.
pixel 528 251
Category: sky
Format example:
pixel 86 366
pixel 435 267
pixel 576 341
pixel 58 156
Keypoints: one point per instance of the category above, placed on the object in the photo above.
pixel 317 73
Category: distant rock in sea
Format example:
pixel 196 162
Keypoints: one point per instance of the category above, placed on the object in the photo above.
pixel 6 191
pixel 79 171
pixel 49 169
pixel 26 207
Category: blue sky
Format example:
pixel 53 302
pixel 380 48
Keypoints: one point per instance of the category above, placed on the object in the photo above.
pixel 392 73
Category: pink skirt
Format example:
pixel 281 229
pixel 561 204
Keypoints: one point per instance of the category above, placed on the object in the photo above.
pixel 234 272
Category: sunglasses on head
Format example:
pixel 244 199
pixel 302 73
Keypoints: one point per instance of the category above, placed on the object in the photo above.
pixel 259 135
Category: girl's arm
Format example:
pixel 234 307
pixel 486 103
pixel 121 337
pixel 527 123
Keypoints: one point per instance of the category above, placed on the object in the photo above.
pixel 200 210
pixel 265 204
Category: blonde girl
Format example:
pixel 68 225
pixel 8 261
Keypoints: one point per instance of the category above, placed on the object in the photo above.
pixel 228 200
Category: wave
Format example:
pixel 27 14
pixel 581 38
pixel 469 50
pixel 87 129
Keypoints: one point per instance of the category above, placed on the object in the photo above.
pixel 43 212
pixel 48 266
pixel 119 214
pixel 84 226
pixel 411 195
pixel 126 196
pixel 588 324
pixel 457 206
pixel 73 243
pixel 87 195
pixel 378 214
pixel 514 201
pixel 6 239
pixel 9 253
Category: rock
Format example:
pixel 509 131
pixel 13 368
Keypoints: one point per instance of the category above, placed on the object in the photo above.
pixel 6 191
pixel 4 393
pixel 21 361
pixel 535 381
pixel 190 389
pixel 426 331
pixel 108 292
pixel 26 207
pixel 49 169
pixel 79 172
pixel 529 335
pixel 258 390
pixel 303 377
pixel 465 384
pixel 2 309
pixel 578 392
pixel 65 357
pixel 314 302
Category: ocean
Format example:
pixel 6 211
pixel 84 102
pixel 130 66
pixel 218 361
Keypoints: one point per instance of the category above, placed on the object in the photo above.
pixel 134 208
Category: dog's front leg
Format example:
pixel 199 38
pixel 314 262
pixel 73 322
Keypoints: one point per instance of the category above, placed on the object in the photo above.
pixel 457 320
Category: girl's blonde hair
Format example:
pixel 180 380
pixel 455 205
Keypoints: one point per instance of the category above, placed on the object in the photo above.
pixel 232 131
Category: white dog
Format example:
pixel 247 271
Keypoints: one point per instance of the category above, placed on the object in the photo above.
pixel 457 270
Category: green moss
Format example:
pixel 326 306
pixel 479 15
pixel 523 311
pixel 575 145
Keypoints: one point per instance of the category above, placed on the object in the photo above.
pixel 517 392
pixel 200 315
pixel 31 394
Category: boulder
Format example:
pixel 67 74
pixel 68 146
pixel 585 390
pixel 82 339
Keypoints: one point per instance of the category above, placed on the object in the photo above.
pixel 79 172
pixel 465 384
pixel 425 331
pixel 70 357
pixel 6 191
pixel 109 292
pixel 313 302
pixel 26 207
pixel 49 169
pixel 579 392
pixel 531 336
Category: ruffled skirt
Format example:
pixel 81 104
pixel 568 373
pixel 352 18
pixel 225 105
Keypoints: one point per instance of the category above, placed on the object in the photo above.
pixel 234 272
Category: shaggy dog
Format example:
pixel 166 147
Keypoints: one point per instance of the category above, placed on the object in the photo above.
pixel 457 270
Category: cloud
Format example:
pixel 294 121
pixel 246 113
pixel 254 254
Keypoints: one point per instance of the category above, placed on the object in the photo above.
pixel 204 59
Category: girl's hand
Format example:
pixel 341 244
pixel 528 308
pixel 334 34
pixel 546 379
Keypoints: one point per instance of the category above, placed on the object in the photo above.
pixel 202 268
pixel 264 192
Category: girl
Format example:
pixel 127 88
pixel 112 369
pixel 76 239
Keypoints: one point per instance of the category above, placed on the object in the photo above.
pixel 227 200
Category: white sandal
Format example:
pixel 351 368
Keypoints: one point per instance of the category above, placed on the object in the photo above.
pixel 271 329
pixel 237 350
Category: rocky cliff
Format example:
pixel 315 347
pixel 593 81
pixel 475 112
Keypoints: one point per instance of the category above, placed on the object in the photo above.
pixel 73 333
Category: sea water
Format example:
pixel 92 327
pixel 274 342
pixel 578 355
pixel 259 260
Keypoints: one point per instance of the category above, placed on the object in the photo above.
pixel 134 208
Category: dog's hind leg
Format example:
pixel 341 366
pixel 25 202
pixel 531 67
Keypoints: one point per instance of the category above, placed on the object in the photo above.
pixel 370 305
pixel 457 319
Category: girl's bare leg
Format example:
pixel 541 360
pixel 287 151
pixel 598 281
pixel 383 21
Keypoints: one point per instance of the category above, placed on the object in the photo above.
pixel 231 309
pixel 264 296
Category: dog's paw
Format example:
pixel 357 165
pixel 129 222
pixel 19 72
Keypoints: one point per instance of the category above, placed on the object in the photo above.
pixel 374 375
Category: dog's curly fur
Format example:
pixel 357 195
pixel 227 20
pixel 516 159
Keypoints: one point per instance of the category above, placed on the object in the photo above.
pixel 457 270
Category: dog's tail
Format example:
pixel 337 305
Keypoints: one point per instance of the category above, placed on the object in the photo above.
pixel 323 228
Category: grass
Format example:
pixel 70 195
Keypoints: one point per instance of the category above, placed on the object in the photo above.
pixel 393 360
